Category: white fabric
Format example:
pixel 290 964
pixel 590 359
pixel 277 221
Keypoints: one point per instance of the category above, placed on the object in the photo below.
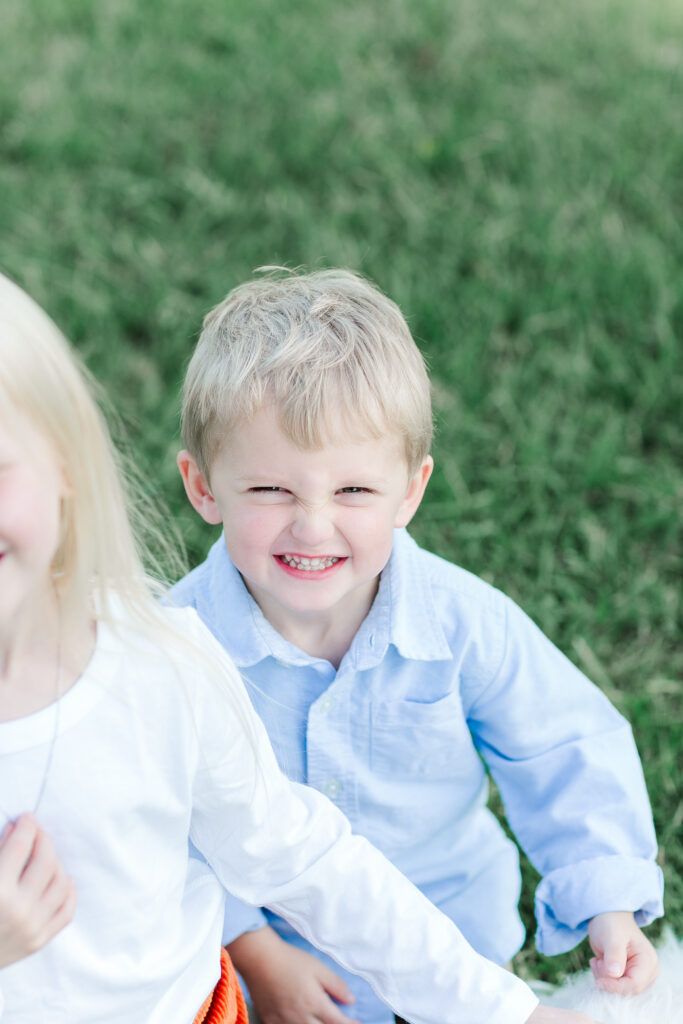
pixel 150 753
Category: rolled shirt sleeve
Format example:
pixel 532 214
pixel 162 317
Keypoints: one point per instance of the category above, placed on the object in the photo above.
pixel 566 899
pixel 571 780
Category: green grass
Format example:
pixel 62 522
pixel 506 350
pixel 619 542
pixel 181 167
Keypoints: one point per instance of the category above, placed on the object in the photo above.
pixel 510 174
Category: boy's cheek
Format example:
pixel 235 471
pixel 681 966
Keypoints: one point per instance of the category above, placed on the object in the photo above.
pixel 251 536
pixel 256 526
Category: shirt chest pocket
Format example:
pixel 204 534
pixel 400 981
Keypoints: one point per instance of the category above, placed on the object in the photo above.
pixel 410 739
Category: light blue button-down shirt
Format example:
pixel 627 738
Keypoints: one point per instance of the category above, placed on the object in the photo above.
pixel 444 671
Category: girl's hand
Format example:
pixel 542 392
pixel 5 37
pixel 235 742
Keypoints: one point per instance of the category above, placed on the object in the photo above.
pixel 550 1015
pixel 287 985
pixel 625 961
pixel 37 899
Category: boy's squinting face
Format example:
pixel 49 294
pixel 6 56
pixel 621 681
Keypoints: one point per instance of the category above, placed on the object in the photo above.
pixel 309 531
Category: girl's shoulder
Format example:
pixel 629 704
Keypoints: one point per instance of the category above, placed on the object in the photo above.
pixel 169 653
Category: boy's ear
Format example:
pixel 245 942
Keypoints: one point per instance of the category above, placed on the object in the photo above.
pixel 197 489
pixel 416 489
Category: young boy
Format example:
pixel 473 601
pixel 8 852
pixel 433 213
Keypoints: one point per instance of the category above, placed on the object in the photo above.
pixel 383 672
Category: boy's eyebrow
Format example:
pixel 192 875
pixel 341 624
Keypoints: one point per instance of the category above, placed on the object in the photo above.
pixel 354 480
pixel 249 477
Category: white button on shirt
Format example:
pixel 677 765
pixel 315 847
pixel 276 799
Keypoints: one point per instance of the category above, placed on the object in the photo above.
pixel 443 669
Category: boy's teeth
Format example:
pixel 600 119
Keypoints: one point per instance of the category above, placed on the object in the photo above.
pixel 309 564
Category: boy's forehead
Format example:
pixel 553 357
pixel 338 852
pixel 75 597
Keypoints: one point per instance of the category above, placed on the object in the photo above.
pixel 264 436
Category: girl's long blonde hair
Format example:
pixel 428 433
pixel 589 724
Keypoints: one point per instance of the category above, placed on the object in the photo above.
pixel 42 379
pixel 102 567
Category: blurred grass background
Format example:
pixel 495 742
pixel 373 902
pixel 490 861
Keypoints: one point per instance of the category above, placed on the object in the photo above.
pixel 510 174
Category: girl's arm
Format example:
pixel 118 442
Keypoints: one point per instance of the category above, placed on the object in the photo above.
pixel 284 846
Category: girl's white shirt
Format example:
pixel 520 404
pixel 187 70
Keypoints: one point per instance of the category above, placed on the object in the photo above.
pixel 151 753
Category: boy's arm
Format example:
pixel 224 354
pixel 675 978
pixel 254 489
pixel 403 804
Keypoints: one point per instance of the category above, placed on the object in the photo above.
pixel 289 984
pixel 572 784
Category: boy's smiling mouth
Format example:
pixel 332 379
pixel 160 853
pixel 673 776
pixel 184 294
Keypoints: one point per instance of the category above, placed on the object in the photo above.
pixel 309 563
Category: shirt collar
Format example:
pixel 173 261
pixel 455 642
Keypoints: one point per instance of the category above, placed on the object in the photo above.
pixel 403 614
pixel 236 619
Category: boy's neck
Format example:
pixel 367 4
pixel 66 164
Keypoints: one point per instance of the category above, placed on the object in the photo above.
pixel 322 634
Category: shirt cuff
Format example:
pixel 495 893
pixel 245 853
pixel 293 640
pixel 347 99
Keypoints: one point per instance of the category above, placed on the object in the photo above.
pixel 567 899
pixel 240 918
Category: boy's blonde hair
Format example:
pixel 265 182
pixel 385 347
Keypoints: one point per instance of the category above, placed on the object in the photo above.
pixel 318 346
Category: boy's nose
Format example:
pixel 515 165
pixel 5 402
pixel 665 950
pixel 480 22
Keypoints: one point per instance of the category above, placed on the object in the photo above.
pixel 312 526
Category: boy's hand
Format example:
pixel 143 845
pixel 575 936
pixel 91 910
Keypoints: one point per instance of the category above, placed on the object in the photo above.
pixel 625 961
pixel 37 899
pixel 287 985
pixel 550 1015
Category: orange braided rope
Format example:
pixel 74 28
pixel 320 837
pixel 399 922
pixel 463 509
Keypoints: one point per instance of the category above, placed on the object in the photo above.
pixel 225 1005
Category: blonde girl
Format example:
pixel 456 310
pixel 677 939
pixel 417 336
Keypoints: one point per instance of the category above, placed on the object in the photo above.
pixel 124 733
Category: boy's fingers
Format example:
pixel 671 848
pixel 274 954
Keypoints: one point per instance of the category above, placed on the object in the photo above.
pixel 333 1015
pixel 613 961
pixel 623 986
pixel 603 979
pixel 641 971
pixel 616 986
pixel 336 986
